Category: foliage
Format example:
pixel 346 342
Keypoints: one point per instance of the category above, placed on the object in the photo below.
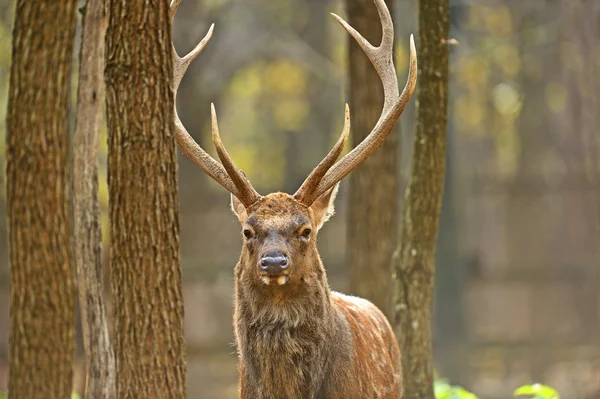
pixel 443 390
pixel 537 391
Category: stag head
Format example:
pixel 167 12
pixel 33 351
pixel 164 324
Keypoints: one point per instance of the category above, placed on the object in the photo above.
pixel 279 229
pixel 279 234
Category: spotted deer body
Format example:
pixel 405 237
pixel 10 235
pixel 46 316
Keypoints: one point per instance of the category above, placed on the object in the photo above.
pixel 296 338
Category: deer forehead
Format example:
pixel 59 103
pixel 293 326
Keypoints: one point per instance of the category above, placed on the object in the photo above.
pixel 278 211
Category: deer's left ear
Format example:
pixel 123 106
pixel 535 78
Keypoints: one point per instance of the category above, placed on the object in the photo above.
pixel 323 207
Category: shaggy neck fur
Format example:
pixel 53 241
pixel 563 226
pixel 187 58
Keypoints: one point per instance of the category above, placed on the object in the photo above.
pixel 283 334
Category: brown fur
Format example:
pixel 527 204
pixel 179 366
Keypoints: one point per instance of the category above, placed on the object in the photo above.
pixel 301 340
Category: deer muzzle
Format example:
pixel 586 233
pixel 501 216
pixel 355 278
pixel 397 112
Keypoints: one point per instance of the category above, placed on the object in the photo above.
pixel 273 263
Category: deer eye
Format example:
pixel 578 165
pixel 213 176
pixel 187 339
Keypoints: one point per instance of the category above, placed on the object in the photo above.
pixel 306 233
pixel 248 233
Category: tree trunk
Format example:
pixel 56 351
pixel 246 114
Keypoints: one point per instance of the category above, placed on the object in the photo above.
pixel 100 359
pixel 414 263
pixel 372 203
pixel 319 132
pixel 42 290
pixel 144 208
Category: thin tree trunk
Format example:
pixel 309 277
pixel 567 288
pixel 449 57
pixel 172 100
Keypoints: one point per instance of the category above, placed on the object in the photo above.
pixel 144 208
pixel 414 263
pixel 99 356
pixel 372 203
pixel 42 290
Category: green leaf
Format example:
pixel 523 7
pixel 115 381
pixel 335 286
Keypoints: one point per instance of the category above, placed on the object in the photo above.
pixel 539 391
pixel 443 390
pixel 461 393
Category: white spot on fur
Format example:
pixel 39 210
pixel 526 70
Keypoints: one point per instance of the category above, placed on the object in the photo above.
pixel 281 280
pixel 266 280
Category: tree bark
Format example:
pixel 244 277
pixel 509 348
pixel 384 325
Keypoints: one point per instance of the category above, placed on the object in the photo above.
pixel 372 202
pixel 144 208
pixel 42 290
pixel 414 261
pixel 99 355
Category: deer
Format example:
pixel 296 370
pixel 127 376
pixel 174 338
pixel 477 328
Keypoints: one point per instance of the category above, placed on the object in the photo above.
pixel 295 337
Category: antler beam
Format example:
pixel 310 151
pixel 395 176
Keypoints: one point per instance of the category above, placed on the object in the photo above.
pixel 227 175
pixel 305 193
pixel 382 59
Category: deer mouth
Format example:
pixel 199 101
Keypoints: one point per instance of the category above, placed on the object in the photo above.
pixel 275 280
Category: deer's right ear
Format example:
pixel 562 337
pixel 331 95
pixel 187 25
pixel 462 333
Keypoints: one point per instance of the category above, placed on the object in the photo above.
pixel 323 207
pixel 238 208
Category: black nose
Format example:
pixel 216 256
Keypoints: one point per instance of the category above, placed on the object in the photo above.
pixel 274 262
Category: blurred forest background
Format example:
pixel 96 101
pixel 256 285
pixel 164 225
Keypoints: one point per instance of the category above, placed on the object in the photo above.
pixel 518 265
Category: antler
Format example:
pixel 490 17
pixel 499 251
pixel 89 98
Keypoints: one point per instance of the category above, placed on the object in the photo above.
pixel 306 191
pixel 227 175
pixel 325 175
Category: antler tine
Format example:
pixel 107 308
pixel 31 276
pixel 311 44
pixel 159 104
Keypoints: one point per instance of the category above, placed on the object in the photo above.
pixel 306 191
pixel 180 65
pixel 382 59
pixel 185 141
pixel 381 56
pixel 247 193
pixel 173 8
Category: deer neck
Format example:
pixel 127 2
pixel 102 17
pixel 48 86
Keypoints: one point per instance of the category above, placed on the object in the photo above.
pixel 282 335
